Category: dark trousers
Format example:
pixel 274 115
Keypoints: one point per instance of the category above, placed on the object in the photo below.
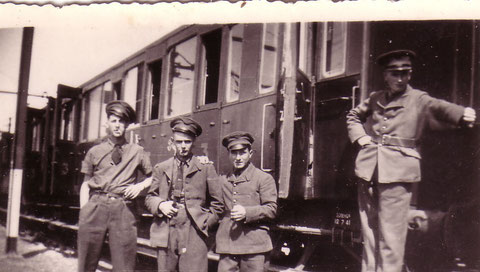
pixel 384 218
pixel 243 262
pixel 191 258
pixel 101 214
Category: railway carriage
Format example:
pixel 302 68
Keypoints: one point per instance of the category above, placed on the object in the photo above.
pixel 290 85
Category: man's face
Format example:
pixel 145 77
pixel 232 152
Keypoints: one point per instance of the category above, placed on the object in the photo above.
pixel 116 126
pixel 240 157
pixel 182 143
pixel 397 81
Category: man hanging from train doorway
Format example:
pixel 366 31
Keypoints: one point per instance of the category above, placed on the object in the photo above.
pixel 185 200
pixel 250 196
pixel 387 126
pixel 107 193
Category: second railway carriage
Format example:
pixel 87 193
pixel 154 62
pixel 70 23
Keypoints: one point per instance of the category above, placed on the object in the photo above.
pixel 291 85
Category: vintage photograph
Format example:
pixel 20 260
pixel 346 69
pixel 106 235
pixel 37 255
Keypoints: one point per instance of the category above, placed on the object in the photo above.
pixel 289 137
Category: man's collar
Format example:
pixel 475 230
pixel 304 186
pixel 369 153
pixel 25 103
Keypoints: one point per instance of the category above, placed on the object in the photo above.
pixel 246 174
pixel 396 101
pixel 120 143
pixel 186 160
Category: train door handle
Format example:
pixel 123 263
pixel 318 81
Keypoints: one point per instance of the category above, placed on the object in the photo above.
pixel 262 145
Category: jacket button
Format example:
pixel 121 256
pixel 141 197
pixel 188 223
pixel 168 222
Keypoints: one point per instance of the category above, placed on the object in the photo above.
pixel 234 193
pixel 385 118
pixel 234 201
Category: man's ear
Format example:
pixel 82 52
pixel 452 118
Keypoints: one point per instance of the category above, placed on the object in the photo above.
pixel 170 144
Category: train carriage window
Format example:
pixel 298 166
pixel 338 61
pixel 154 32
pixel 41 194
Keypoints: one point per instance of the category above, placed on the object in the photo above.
pixel 269 58
pixel 131 88
pixel 153 93
pixel 67 115
pixel 117 90
pixel 181 78
pixel 307 34
pixel 210 67
pixel 108 95
pixel 37 136
pixel 93 107
pixel 235 63
pixel 334 49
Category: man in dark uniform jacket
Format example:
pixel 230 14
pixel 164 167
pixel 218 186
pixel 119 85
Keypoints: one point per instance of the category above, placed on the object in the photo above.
pixel 387 126
pixel 250 197
pixel 110 185
pixel 185 199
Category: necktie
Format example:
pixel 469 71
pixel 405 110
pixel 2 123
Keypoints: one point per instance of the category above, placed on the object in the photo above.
pixel 117 154
pixel 178 185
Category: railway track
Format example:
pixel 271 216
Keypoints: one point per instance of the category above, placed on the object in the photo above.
pixel 64 235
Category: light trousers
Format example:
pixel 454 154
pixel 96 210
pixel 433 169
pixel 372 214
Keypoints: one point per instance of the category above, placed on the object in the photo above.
pixel 383 215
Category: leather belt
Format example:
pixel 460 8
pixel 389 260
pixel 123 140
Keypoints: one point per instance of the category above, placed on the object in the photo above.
pixel 394 141
pixel 109 195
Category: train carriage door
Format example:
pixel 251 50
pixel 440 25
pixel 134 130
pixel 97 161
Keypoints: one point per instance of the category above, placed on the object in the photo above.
pixel 302 139
pixel 336 92
pixel 315 112
pixel 252 75
pixel 63 164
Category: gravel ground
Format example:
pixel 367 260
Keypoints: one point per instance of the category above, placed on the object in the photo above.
pixel 36 257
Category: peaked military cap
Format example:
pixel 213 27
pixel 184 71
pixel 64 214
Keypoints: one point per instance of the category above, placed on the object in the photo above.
pixel 186 125
pixel 385 58
pixel 237 140
pixel 121 109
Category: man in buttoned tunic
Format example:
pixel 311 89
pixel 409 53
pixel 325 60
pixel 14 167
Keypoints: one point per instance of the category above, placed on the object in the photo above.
pixel 250 197
pixel 185 199
pixel 110 185
pixel 387 126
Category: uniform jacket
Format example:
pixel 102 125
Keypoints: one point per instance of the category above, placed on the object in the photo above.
pixel 401 120
pixel 202 197
pixel 257 192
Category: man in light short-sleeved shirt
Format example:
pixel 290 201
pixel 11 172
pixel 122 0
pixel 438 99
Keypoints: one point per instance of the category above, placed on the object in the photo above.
pixel 110 185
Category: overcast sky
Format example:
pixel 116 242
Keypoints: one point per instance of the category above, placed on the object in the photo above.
pixel 67 55
pixel 74 43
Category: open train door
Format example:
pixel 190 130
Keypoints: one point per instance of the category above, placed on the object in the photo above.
pixel 63 142
pixel 295 130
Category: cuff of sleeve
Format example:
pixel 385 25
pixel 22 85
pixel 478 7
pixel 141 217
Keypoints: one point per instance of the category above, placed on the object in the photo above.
pixel 249 214
pixel 459 111
pixel 156 211
pixel 359 137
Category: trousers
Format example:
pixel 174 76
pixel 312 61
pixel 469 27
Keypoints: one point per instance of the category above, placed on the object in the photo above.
pixel 384 219
pixel 187 247
pixel 243 262
pixel 105 214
